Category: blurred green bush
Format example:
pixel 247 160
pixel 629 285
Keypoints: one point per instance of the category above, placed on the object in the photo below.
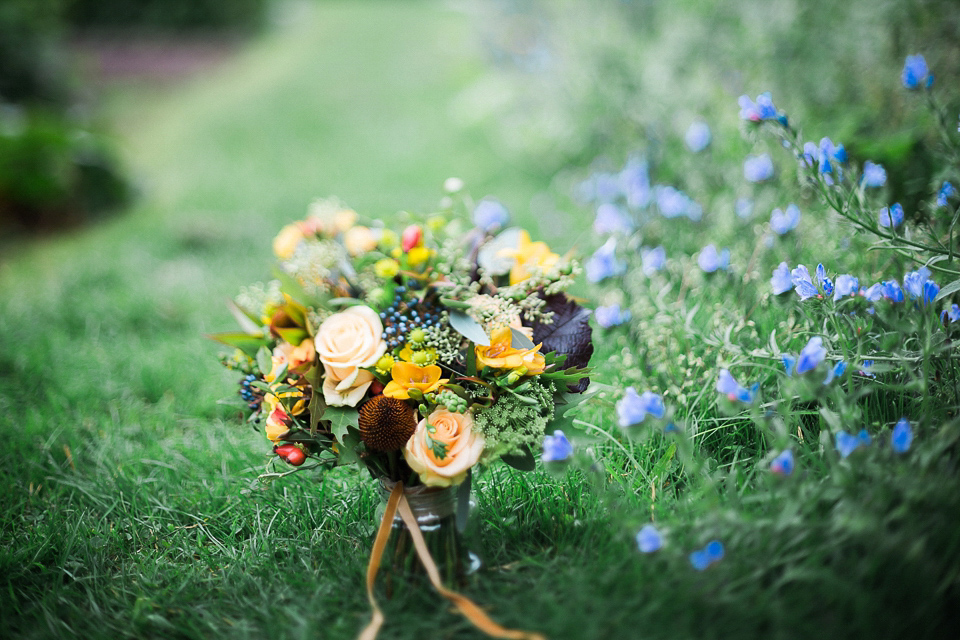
pixel 581 80
pixel 54 170
pixel 167 15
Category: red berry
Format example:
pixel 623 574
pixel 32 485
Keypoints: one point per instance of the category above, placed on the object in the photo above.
pixel 291 454
pixel 376 388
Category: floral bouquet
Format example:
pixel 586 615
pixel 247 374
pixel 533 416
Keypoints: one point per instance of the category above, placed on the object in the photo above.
pixel 417 354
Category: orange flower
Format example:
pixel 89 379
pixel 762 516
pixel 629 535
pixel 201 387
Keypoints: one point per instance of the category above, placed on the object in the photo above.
pixel 500 355
pixel 529 256
pixel 408 376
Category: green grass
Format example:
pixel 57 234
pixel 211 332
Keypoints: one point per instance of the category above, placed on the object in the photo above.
pixel 129 501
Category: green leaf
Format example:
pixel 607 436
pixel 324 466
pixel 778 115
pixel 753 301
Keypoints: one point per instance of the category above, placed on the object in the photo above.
pixel 264 360
pixel 340 419
pixel 948 290
pixel 468 328
pixel 248 343
pixel 344 302
pixel 523 461
pixel 519 340
pixel 247 321
pixel 347 451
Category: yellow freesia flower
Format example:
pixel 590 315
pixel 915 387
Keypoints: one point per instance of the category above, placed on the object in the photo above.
pixel 529 256
pixel 500 355
pixel 408 376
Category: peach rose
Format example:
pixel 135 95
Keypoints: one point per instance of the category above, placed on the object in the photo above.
pixel 443 448
pixel 359 240
pixel 345 343
pixel 286 242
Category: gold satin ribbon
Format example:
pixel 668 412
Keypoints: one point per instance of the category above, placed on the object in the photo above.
pixel 469 610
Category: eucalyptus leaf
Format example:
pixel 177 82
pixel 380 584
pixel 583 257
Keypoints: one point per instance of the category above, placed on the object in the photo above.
pixel 468 328
pixel 344 302
pixel 264 360
pixel 519 340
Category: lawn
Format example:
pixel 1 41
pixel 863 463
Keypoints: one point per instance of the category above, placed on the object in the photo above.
pixel 130 506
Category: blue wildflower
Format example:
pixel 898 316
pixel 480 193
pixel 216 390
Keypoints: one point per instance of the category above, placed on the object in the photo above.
pixel 782 222
pixel 727 385
pixel 635 182
pixel 697 137
pixel 556 448
pixel 902 436
pixel 846 285
pixel 823 280
pixel 783 464
pixel 711 260
pixel 915 284
pixel 611 316
pixel 930 291
pixel 490 215
pixel 804 285
pixel 600 187
pixel 603 263
pixel 847 443
pixel 760 110
pixel 710 554
pixel 811 355
pixel 866 369
pixel 892 291
pixel 946 191
pixel 789 362
pixel 652 260
pixel 874 292
pixel 781 280
pixel 611 219
pixel 829 155
pixel 633 408
pixel 915 74
pixel 674 203
pixel 952 314
pixel 892 216
pixel 649 539
pixel 837 371
pixel 874 175
pixel 758 168
pixel 743 207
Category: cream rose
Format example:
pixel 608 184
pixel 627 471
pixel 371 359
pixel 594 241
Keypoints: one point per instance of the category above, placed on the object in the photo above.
pixel 346 342
pixel 443 448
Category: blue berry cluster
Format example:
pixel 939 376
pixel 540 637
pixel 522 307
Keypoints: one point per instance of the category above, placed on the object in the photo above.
pixel 403 316
pixel 248 393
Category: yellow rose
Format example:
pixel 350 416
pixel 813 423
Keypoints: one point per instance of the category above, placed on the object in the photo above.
pixel 287 240
pixel 530 256
pixel 346 342
pixel 501 355
pixel 359 240
pixel 443 448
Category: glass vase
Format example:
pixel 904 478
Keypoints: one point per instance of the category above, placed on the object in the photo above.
pixel 435 510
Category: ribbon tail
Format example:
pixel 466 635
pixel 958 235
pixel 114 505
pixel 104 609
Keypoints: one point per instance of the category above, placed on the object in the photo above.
pixel 467 607
pixel 380 542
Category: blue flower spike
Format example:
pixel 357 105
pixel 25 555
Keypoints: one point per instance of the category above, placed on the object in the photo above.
pixel 649 539
pixel 902 436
